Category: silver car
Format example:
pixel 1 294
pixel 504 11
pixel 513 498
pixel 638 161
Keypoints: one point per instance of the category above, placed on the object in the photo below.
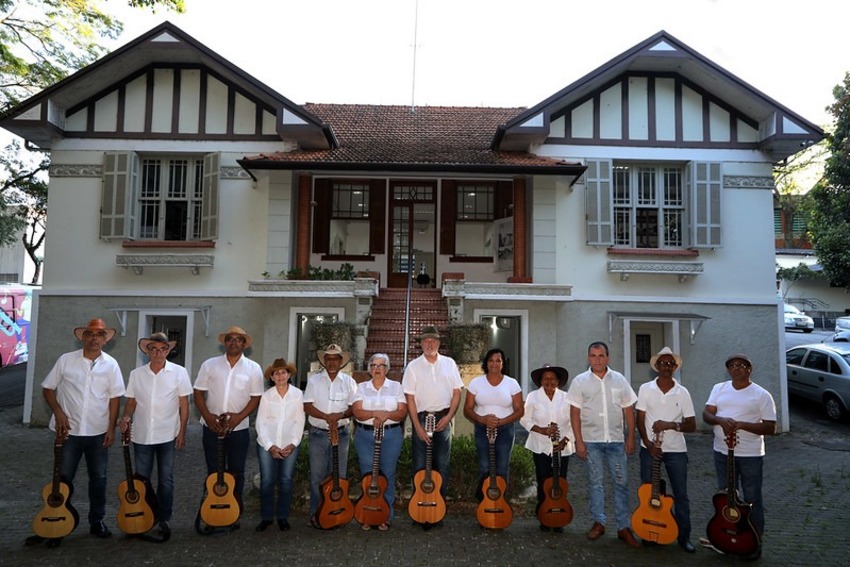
pixel 842 324
pixel 796 319
pixel 821 372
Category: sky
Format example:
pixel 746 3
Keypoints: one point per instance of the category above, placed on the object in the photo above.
pixel 505 53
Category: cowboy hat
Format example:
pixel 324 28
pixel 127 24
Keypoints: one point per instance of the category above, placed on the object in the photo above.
pixel 278 364
pixel 738 356
pixel 144 343
pixel 333 349
pixel 561 373
pixel 234 330
pixel 665 351
pixel 96 326
pixel 429 333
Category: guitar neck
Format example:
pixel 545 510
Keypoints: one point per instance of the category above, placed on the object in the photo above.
pixel 220 471
pixel 492 451
pixel 128 465
pixel 376 462
pixel 57 467
pixel 335 466
pixel 731 490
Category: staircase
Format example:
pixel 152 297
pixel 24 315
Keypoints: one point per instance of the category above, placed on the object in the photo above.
pixel 386 324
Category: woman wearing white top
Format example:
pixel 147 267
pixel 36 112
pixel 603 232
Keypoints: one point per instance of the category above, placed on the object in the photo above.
pixel 379 402
pixel 547 413
pixel 280 427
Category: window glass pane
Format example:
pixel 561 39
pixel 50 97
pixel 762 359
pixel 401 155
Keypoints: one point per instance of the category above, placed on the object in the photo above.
pixel 646 186
pixel 175 220
pixel 672 227
pixel 177 174
pixel 622 192
pixel 149 219
pixel 350 201
pixel 349 237
pixel 150 179
pixel 410 192
pixel 474 202
pixel 622 224
pixel 646 228
pixel 169 215
pixel 673 196
pixel 649 206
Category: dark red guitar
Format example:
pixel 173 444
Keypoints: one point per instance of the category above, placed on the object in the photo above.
pixel 371 508
pixel 555 511
pixel 730 529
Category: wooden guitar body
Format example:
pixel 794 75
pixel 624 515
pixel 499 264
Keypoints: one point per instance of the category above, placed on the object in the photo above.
pixel 220 507
pixel 427 505
pixel 137 508
pixel 493 511
pixel 371 509
pixel 653 519
pixel 730 529
pixel 58 517
pixel 555 511
pixel 335 507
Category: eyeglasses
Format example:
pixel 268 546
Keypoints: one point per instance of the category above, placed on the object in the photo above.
pixel 377 366
pixel 666 363
pixel 230 339
pixel 158 349
pixel 88 334
pixel 739 365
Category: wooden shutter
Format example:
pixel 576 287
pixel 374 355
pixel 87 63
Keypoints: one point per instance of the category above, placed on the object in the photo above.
pixel 599 203
pixel 210 197
pixel 503 199
pixel 377 216
pixel 448 217
pixel 323 197
pixel 118 197
pixel 704 183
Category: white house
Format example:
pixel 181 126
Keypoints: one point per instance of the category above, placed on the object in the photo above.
pixel 634 206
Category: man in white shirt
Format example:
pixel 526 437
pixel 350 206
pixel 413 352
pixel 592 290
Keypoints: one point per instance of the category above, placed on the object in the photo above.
pixel 432 384
pixel 601 401
pixel 327 403
pixel 227 391
pixel 84 390
pixel 158 408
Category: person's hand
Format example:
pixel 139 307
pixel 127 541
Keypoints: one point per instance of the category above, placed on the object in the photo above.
pixel 124 424
pixel 491 421
pixel 581 450
pixel 180 442
pixel 421 433
pixel 443 423
pixel 63 425
pixel 211 420
pixel 630 445
pixel 108 437
pixel 286 451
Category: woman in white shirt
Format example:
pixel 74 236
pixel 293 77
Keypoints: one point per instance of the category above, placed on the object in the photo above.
pixel 280 428
pixel 547 419
pixel 379 402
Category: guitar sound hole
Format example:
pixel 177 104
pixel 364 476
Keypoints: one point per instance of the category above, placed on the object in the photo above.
pixel 374 491
pixel 336 494
pixel 555 494
pixel 731 514
pixel 493 493
pixel 220 489
pixel 131 497
pixel 427 486
pixel 55 500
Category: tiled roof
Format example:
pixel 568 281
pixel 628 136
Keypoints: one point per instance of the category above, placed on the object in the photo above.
pixel 430 136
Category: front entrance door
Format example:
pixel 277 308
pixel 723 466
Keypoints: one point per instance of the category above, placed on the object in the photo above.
pixel 646 339
pixel 412 234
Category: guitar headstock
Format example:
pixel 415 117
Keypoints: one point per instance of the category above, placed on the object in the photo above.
pixel 491 435
pixel 379 433
pixel 333 434
pixel 127 435
pixel 555 436
pixel 430 424
pixel 732 439
pixel 60 438
pixel 658 438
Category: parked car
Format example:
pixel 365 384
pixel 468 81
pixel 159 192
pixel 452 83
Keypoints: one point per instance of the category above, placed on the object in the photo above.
pixel 796 319
pixel 821 372
pixel 842 324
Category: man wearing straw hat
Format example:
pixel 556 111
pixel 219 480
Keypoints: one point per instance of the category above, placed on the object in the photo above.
pixel 158 408
pixel 227 390
pixel 84 391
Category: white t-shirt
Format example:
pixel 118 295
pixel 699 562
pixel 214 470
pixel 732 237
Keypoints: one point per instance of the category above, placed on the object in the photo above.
pixel 387 398
pixel 601 401
pixel 752 404
pixel 157 416
pixel 675 405
pixel 432 385
pixel 493 400
pixel 229 389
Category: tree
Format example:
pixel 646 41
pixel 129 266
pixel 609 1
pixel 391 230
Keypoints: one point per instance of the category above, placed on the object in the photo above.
pixel 830 219
pixel 42 42
pixel 795 274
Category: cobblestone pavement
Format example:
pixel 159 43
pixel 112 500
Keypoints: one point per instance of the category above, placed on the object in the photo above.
pixel 806 493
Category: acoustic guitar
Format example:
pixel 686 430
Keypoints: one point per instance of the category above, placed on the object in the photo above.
pixel 555 511
pixel 427 505
pixel 220 507
pixel 137 510
pixel 371 509
pixel 493 511
pixel 653 519
pixel 335 508
pixel 58 517
pixel 730 530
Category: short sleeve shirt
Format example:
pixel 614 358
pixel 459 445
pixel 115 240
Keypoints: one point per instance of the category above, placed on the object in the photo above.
pixel 432 385
pixel 329 396
pixel 601 401
pixel 675 405
pixel 230 389
pixel 752 404
pixel 494 400
pixel 387 398
pixel 157 416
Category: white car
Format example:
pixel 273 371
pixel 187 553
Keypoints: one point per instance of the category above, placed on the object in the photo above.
pixel 797 320
pixel 821 373
pixel 842 324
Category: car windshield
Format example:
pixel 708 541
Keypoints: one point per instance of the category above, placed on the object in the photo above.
pixel 791 309
pixel 846 357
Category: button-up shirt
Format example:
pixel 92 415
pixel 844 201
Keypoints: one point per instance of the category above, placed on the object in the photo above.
pixel 387 398
pixel 157 416
pixel 601 401
pixel 541 411
pixel 329 396
pixel 432 385
pixel 83 390
pixel 675 406
pixel 229 389
pixel 280 419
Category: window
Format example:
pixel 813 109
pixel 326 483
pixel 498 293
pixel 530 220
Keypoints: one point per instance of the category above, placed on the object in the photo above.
pixel 648 206
pixel 168 198
pixel 350 218
pixel 474 229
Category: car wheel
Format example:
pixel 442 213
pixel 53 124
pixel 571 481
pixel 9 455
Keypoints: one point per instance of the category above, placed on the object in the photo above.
pixel 834 408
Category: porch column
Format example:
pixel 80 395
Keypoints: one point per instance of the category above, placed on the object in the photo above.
pixel 302 238
pixel 519 275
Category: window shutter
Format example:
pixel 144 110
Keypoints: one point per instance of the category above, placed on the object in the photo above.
pixel 599 203
pixel 323 197
pixel 209 203
pixel 503 199
pixel 377 216
pixel 448 217
pixel 705 182
pixel 118 198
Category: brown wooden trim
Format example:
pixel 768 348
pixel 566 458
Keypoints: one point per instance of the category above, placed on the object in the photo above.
pixel 520 237
pixel 677 113
pixel 448 216
pixel 90 118
pixel 377 216
pixel 471 259
pixel 202 103
pixel 348 257
pixel 303 227
pixel 651 110
pixel 322 204
pixel 624 109
pixel 231 109
pixel 706 120
pixel 175 100
pixel 168 244
pixel 119 116
pixel 149 100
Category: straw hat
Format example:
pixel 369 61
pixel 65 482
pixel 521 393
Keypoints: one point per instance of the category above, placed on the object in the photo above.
pixel 560 372
pixel 278 364
pixel 234 330
pixel 665 351
pixel 96 326
pixel 333 349
pixel 156 338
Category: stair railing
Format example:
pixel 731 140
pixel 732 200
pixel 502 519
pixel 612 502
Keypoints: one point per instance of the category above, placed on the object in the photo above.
pixel 407 311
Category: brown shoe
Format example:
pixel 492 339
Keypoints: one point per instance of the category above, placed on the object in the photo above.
pixel 596 531
pixel 627 536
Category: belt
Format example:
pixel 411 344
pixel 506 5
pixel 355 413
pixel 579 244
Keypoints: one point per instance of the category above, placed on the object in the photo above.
pixel 437 414
pixel 370 428
pixel 322 429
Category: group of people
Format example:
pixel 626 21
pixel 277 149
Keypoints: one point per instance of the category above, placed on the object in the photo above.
pixel 599 418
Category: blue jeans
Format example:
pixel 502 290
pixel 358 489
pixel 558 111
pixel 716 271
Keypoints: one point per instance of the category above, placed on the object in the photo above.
pixel 235 455
pixel 364 446
pixel 543 470
pixel 97 458
pixel 441 447
pixel 748 479
pixel 615 455
pixel 321 461
pixel 276 471
pixel 676 465
pixel 504 445
pixel 164 453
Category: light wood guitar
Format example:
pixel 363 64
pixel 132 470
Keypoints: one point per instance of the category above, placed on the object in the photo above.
pixel 653 519
pixel 427 505
pixel 730 529
pixel 335 508
pixel 371 509
pixel 220 507
pixel 58 517
pixel 494 512
pixel 555 510
pixel 137 510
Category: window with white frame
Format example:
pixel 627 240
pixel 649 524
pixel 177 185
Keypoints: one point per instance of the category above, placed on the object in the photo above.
pixel 649 206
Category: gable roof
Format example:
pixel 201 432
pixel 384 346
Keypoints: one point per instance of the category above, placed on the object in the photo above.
pixel 783 131
pixel 402 138
pixel 40 119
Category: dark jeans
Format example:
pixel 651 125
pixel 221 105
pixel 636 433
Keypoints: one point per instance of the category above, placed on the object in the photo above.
pixel 97 458
pixel 164 454
pixel 676 465
pixel 441 444
pixel 748 478
pixel 321 460
pixel 280 472
pixel 235 454
pixel 504 444
pixel 543 470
